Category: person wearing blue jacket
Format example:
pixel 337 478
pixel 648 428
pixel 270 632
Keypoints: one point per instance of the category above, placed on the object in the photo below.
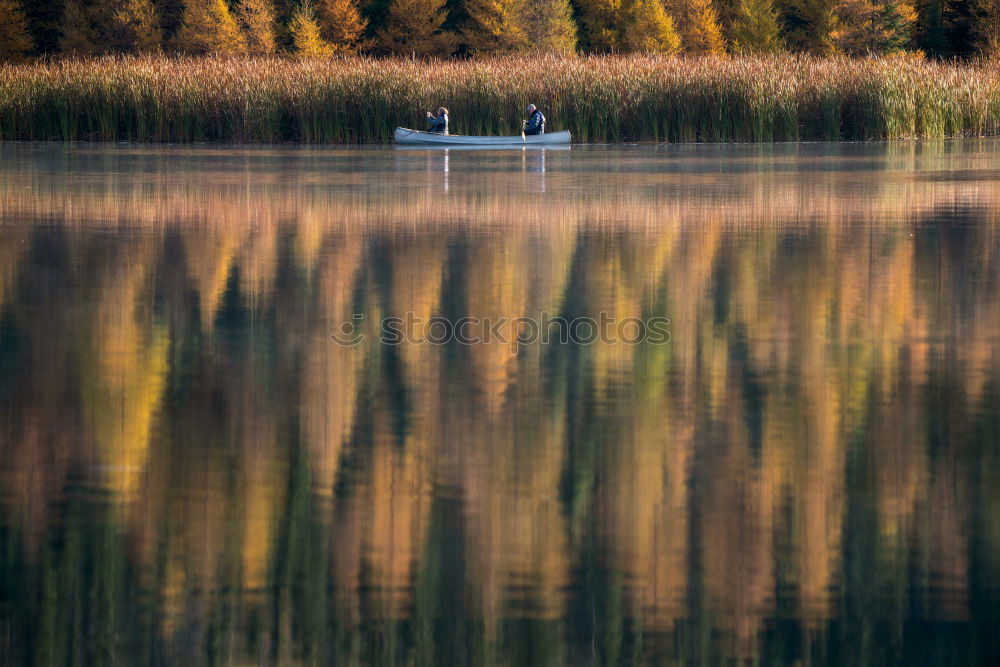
pixel 536 121
pixel 438 123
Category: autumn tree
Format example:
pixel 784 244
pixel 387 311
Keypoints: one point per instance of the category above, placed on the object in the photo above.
pixel 494 26
pixel 306 38
pixel 698 24
pixel 549 26
pixel 898 20
pixel 415 27
pixel 813 26
pixel 629 25
pixel 207 26
pixel 15 40
pixel 342 25
pixel 874 26
pixel 256 19
pixel 755 28
pixel 133 26
pixel 648 28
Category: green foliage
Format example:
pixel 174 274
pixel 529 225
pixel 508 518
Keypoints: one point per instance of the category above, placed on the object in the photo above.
pixel 79 34
pixel 815 26
pixel 756 28
pixel 932 36
pixel 874 26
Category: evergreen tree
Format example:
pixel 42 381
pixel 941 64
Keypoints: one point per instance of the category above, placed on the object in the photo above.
pixel 755 28
pixel 932 38
pixel 256 19
pixel 599 23
pixel 134 26
pixel 306 38
pixel 959 27
pixel 494 26
pixel 813 26
pixel 549 26
pixel 171 12
pixel 342 25
pixel 15 40
pixel 898 25
pixel 986 27
pixel 44 22
pixel 415 27
pixel 79 34
pixel 207 26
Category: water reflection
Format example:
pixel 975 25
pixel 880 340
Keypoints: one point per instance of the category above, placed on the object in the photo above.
pixel 192 470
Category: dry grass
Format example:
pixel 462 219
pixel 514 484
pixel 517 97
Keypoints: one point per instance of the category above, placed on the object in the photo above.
pixel 616 98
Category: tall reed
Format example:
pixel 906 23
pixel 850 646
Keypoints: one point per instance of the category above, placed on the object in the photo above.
pixel 600 99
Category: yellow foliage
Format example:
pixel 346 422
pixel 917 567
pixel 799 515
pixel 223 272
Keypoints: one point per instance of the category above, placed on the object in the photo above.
pixel 649 29
pixel 256 18
pixel 629 26
pixel 698 24
pixel 549 26
pixel 208 26
pixel 415 27
pixel 875 26
pixel 306 38
pixel 15 41
pixel 494 26
pixel 342 25
pixel 135 26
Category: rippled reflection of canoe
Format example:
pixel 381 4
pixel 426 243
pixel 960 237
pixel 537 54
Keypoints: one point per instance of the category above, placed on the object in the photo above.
pixel 411 137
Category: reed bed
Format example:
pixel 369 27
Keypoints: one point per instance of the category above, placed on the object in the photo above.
pixel 600 99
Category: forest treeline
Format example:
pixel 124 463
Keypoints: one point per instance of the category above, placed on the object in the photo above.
pixel 317 28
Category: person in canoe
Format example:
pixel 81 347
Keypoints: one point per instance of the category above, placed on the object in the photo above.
pixel 536 121
pixel 438 123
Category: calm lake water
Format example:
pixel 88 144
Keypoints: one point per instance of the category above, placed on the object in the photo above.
pixel 193 470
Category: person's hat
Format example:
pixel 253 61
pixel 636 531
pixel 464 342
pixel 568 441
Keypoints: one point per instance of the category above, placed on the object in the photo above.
pixel 531 107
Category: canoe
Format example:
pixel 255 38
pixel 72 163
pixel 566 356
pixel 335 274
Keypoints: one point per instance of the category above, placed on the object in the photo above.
pixel 410 137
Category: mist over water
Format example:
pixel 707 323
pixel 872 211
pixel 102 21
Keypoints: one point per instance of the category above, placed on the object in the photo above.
pixel 193 471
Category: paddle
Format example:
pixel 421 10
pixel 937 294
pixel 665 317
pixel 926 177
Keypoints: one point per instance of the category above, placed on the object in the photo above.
pixel 523 123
